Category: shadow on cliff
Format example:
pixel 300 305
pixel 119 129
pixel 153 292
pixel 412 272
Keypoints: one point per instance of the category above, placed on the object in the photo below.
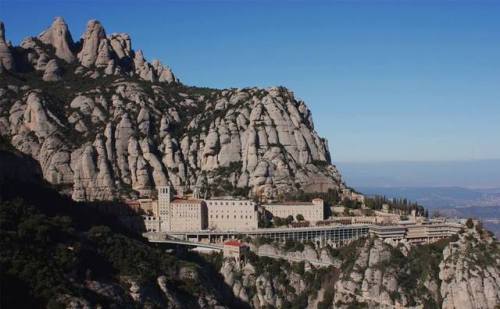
pixel 21 178
pixel 213 276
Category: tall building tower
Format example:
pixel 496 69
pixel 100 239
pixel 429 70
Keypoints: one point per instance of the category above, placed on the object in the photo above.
pixel 196 192
pixel 164 209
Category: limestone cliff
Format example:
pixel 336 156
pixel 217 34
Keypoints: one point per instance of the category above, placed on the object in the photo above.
pixel 470 271
pixel 368 273
pixel 104 123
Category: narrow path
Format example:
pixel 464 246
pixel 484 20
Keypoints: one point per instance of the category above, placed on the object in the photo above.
pixel 295 259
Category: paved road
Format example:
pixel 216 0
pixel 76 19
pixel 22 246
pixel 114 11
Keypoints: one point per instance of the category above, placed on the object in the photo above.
pixel 220 247
pixel 188 243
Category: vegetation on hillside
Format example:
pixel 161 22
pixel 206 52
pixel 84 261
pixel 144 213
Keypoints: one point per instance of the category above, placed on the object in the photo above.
pixel 54 248
pixel 403 206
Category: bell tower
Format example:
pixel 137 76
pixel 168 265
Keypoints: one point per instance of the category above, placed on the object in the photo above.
pixel 164 210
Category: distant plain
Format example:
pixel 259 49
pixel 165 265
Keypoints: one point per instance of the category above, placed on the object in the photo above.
pixel 454 188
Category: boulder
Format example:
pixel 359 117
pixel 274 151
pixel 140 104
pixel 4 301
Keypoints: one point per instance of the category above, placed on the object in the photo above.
pixel 52 72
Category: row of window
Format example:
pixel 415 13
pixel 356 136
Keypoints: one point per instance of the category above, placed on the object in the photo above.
pixel 232 210
pixel 187 208
pixel 185 215
pixel 229 203
pixel 164 190
pixel 227 217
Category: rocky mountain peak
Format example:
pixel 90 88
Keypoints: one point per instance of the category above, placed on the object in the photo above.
pixel 164 73
pixel 2 32
pixel 59 37
pixel 121 44
pixel 111 124
pixel 98 54
pixel 6 57
pixel 91 40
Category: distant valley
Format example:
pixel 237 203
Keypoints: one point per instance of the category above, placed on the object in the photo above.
pixel 484 174
pixel 483 204
pixel 440 197
pixel 456 189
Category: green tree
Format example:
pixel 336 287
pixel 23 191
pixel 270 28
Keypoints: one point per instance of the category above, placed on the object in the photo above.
pixel 300 217
pixel 279 221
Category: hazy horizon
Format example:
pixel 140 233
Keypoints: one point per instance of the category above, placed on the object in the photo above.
pixel 474 174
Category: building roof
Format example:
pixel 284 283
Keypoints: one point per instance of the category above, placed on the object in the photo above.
pixel 229 197
pixel 228 200
pixel 186 201
pixel 290 203
pixel 234 243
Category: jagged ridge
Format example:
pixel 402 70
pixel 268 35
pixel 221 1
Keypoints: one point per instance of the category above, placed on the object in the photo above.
pixel 105 123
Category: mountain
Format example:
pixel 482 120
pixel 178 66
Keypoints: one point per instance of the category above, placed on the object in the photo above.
pixel 95 120
pixel 60 253
pixel 104 123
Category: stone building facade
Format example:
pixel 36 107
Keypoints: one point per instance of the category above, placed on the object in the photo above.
pixel 188 215
pixel 151 223
pixel 195 214
pixel 231 214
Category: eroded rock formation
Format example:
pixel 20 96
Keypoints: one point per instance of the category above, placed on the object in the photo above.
pixel 369 273
pixel 103 122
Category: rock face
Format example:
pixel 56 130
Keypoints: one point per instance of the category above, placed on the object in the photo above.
pixel 259 288
pixel 118 126
pixel 6 58
pixel 366 280
pixel 96 54
pixel 364 276
pixel 371 274
pixel 470 272
pixel 52 72
pixel 91 41
pixel 59 37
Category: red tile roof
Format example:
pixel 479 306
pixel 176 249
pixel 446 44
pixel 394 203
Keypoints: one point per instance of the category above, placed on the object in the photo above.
pixel 234 243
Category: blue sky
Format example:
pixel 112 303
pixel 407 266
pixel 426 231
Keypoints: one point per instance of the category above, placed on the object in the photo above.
pixel 385 80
